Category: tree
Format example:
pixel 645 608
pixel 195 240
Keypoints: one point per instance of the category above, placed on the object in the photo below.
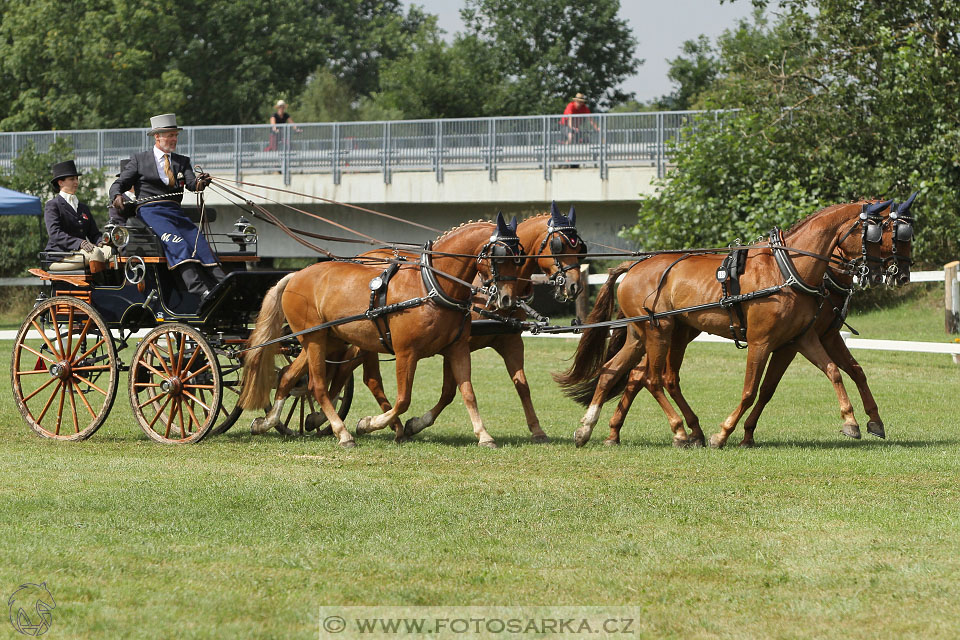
pixel 115 63
pixel 693 72
pixel 839 100
pixel 545 51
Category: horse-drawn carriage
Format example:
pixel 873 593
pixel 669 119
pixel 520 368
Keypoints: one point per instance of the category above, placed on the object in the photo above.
pixel 184 374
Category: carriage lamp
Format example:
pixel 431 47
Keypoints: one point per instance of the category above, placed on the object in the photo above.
pixel 244 233
pixel 119 236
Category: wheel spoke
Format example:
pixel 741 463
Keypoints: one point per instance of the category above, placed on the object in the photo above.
pixel 195 373
pixel 56 327
pixel 169 348
pixel 60 408
pixel 38 354
pixel 293 408
pixel 93 367
pixel 146 365
pixel 70 332
pixel 83 334
pixel 43 335
pixel 159 412
pixel 150 400
pixel 153 347
pixel 49 400
pixel 303 405
pixel 193 418
pixel 93 414
pixel 180 403
pixel 193 357
pixel 179 366
pixel 88 351
pixel 42 387
pixel 195 399
pixel 89 384
pixel 170 419
pixel 73 406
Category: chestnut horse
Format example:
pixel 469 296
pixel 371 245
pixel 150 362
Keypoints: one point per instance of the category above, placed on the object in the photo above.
pixel 665 284
pixel 552 238
pixel 329 292
pixel 891 248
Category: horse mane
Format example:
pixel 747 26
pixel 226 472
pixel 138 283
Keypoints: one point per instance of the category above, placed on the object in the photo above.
pixel 461 226
pixel 796 225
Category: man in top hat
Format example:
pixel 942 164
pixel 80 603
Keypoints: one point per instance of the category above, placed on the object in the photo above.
pixel 577 106
pixel 162 175
pixel 117 215
pixel 71 226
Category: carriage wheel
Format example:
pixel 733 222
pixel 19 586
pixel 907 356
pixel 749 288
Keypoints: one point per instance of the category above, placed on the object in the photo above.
pixel 230 409
pixel 64 369
pixel 302 414
pixel 175 385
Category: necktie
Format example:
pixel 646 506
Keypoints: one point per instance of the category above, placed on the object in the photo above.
pixel 167 170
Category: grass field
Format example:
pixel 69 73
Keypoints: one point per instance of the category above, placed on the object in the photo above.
pixel 808 536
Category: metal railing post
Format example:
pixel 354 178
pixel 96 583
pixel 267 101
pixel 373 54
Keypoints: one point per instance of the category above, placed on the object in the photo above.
pixel 236 153
pixel 336 153
pixel 603 147
pixel 285 154
pixel 659 145
pixel 492 150
pixel 547 174
pixel 387 144
pixel 438 150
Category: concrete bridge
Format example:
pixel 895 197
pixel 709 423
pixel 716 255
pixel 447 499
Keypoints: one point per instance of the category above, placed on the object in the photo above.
pixel 438 173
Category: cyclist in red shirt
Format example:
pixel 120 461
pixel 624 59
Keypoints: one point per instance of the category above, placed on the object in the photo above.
pixel 577 106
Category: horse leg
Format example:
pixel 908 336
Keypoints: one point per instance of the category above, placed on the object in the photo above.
pixel 458 355
pixel 374 382
pixel 779 361
pixel 757 356
pixel 682 336
pixel 635 380
pixel 447 393
pixel 287 381
pixel 315 350
pixel 624 360
pixel 658 342
pixel 406 368
pixel 837 349
pixel 510 348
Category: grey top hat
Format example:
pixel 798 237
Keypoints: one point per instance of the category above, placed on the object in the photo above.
pixel 163 123
pixel 65 169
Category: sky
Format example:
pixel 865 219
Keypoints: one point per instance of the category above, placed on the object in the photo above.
pixel 660 27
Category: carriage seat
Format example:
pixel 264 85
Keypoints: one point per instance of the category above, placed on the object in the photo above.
pixel 71 262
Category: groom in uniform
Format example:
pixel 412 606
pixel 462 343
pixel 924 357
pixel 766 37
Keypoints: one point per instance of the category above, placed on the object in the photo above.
pixel 161 172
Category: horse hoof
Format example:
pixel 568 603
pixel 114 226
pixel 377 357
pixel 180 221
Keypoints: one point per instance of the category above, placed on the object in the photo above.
pixel 314 420
pixel 490 444
pixel 748 444
pixel 716 442
pixel 695 443
pixel 851 431
pixel 876 429
pixel 348 444
pixel 363 425
pixel 682 443
pixel 540 439
pixel 259 426
pixel 581 436
pixel 610 442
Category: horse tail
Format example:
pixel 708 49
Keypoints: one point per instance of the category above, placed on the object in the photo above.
pixel 590 353
pixel 258 364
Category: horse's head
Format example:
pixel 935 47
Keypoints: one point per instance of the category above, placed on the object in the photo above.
pixel 499 263
pixel 558 254
pixel 862 244
pixel 897 252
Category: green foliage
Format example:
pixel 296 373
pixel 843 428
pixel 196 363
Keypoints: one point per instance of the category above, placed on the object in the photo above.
pixel 838 102
pixel 114 63
pixel 24 236
pixel 692 72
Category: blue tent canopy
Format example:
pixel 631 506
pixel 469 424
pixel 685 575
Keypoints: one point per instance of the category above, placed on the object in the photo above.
pixel 14 203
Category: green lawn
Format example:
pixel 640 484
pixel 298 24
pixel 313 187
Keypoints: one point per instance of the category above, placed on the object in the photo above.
pixel 808 536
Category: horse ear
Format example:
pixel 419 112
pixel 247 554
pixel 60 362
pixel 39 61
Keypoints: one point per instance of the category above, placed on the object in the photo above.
pixel 502 228
pixel 876 208
pixel 572 216
pixel 554 209
pixel 906 205
pixel 513 224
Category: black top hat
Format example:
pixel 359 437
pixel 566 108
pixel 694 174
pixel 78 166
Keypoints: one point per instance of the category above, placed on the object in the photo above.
pixel 65 169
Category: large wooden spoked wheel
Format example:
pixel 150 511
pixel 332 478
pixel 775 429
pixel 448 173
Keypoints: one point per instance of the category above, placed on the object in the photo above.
pixel 302 414
pixel 175 385
pixel 230 410
pixel 64 369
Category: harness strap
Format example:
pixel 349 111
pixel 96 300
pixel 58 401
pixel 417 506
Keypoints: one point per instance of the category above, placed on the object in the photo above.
pixel 787 268
pixel 433 286
pixel 378 299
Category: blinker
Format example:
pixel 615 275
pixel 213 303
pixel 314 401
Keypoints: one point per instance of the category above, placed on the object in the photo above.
pixel 873 232
pixel 903 232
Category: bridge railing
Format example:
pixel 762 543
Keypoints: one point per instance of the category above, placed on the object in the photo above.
pixel 596 141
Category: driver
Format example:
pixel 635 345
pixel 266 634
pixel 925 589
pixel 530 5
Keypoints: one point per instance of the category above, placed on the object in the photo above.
pixel 161 175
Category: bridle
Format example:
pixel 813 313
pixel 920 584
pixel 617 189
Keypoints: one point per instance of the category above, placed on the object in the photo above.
pixel 871 235
pixel 901 230
pixel 556 236
pixel 499 249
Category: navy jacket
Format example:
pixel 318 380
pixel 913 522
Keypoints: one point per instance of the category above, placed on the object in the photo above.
pixel 141 174
pixel 68 228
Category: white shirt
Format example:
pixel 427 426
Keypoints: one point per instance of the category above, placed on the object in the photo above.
pixel 158 154
pixel 70 199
